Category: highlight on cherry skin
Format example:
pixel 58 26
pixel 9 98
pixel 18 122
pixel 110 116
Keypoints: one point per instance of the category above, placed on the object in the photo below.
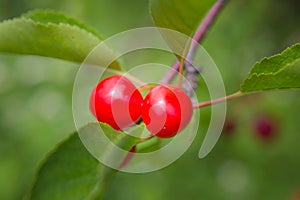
pixel 116 101
pixel 166 110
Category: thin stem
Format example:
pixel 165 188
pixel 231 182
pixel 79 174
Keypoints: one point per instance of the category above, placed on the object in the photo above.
pixel 127 158
pixel 198 37
pixel 219 100
pixel 181 66
pixel 146 87
pixel 180 72
pixel 130 153
pixel 145 138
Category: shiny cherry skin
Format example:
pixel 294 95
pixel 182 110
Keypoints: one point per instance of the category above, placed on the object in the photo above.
pixel 166 110
pixel 116 101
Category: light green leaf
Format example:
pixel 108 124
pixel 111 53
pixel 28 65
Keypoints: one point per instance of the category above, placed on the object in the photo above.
pixel 281 71
pixel 51 16
pixel 150 145
pixel 51 34
pixel 70 172
pixel 183 16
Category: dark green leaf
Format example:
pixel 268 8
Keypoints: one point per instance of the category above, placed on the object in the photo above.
pixel 70 172
pixel 54 35
pixel 183 16
pixel 281 71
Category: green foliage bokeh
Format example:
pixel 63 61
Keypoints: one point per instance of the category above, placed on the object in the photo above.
pixel 36 113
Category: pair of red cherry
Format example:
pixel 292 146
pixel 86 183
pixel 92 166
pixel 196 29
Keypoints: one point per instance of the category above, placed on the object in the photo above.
pixel 166 110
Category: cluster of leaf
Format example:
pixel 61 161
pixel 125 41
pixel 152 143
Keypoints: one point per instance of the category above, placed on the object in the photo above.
pixel 70 172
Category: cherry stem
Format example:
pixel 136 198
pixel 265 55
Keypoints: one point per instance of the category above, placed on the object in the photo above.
pixel 145 138
pixel 219 100
pixel 130 153
pixel 127 158
pixel 198 37
pixel 181 65
pixel 146 87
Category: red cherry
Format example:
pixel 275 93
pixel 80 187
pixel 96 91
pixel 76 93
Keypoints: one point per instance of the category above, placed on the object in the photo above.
pixel 166 110
pixel 116 101
pixel 265 127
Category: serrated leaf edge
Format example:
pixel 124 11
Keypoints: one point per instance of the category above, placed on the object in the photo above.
pixel 49 24
pixel 77 23
pixel 251 74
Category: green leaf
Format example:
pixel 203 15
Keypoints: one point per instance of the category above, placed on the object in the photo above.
pixel 281 71
pixel 50 16
pixel 70 172
pixel 150 145
pixel 183 16
pixel 51 34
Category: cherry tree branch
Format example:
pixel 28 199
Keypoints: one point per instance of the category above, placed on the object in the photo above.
pixel 205 25
pixel 198 37
pixel 219 100
pixel 169 76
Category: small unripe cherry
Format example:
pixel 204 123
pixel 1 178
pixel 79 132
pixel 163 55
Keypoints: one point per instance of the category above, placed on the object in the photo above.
pixel 166 111
pixel 116 101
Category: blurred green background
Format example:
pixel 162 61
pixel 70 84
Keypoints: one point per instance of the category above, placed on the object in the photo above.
pixel 35 107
